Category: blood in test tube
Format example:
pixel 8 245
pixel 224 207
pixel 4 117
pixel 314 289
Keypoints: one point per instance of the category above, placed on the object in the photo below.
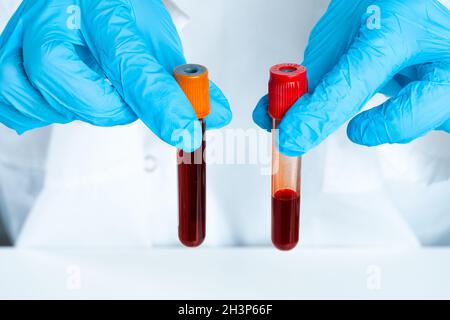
pixel 192 196
pixel 286 219
pixel 193 80
pixel 288 82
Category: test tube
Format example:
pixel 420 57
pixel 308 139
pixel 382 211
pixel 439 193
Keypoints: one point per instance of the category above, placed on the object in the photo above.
pixel 193 80
pixel 288 82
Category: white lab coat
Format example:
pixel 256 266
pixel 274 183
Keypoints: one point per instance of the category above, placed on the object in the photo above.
pixel 78 185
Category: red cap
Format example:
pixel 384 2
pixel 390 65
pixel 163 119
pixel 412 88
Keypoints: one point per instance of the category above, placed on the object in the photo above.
pixel 288 82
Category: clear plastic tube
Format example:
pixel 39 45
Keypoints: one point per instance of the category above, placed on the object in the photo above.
pixel 192 196
pixel 193 80
pixel 288 82
pixel 286 188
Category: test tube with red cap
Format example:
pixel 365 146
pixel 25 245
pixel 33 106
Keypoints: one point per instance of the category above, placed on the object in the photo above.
pixel 288 82
pixel 193 80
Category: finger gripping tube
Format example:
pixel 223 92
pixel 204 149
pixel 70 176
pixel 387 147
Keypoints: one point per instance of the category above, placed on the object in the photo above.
pixel 288 82
pixel 193 80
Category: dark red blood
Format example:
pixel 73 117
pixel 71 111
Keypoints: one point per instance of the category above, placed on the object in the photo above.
pixel 285 219
pixel 192 197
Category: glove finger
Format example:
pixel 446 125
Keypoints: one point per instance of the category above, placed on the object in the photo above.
pixel 261 114
pixel 163 41
pixel 420 108
pixel 11 29
pixel 16 89
pixel 147 87
pixel 445 127
pixel 327 43
pixel 221 114
pixel 17 121
pixel 440 72
pixel 435 72
pixel 69 85
pixel 365 68
pixel 165 46
pixel 399 81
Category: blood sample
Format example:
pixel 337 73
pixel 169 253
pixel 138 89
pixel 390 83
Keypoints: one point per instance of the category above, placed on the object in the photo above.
pixel 288 82
pixel 192 196
pixel 193 80
pixel 286 218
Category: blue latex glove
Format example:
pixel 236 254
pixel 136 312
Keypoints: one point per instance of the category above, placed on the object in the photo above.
pixel 105 62
pixel 352 55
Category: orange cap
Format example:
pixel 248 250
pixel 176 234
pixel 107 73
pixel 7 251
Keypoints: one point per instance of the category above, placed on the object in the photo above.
pixel 193 80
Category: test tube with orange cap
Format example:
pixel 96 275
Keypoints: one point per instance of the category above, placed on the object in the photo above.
pixel 288 82
pixel 193 80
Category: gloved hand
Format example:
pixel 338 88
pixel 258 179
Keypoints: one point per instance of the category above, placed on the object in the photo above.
pixel 105 62
pixel 362 47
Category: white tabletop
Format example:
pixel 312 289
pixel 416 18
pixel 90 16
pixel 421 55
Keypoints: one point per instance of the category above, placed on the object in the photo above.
pixel 224 274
